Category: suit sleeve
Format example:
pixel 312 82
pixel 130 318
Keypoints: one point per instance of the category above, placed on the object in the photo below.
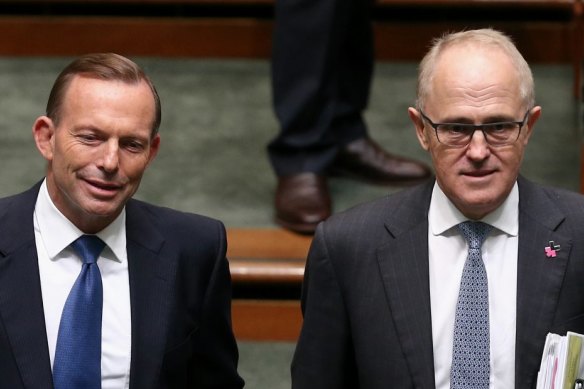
pixel 324 355
pixel 215 354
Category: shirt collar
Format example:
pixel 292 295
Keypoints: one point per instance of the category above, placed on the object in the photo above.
pixel 443 214
pixel 58 232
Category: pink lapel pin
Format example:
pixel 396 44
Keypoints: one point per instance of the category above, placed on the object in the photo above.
pixel 552 249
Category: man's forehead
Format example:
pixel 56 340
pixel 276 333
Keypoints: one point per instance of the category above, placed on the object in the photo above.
pixel 84 78
pixel 96 88
pixel 457 56
pixel 474 76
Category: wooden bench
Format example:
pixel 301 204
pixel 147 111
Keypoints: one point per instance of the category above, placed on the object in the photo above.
pixel 266 260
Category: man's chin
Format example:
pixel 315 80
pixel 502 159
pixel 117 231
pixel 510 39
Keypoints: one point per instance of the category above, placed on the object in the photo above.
pixel 478 207
pixel 102 211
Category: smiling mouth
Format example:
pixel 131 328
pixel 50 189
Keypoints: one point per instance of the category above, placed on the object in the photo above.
pixel 104 186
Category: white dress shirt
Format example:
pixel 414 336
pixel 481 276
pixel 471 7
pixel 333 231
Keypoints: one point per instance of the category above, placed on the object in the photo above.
pixel 447 253
pixel 59 267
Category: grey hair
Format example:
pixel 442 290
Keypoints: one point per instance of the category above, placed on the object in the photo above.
pixel 481 37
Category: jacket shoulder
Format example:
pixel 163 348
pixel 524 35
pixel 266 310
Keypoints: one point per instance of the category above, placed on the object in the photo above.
pixel 174 224
pixel 402 209
pixel 543 199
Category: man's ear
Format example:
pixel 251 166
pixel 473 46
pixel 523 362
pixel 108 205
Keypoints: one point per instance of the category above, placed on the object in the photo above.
pixel 154 147
pixel 421 133
pixel 43 131
pixel 534 115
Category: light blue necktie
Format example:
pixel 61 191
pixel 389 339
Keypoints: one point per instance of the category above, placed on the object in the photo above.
pixel 77 362
pixel 471 347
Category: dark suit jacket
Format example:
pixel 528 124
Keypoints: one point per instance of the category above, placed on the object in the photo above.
pixel 180 300
pixel 366 298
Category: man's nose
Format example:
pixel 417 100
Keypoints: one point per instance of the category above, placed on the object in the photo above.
pixel 110 157
pixel 478 148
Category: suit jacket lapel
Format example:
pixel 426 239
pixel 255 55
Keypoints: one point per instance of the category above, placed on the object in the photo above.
pixel 404 267
pixel 150 286
pixel 539 278
pixel 21 306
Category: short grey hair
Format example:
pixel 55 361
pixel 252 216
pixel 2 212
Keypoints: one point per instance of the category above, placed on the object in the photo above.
pixel 481 37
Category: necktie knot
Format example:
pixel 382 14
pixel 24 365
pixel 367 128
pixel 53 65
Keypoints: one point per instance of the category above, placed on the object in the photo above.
pixel 88 247
pixel 474 233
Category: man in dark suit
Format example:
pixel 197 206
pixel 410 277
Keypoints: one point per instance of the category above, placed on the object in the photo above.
pixel 382 300
pixel 164 284
pixel 322 62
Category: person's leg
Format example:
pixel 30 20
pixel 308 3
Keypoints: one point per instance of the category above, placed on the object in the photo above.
pixel 305 71
pixel 322 66
pixel 308 36
pixel 358 156
pixel 353 63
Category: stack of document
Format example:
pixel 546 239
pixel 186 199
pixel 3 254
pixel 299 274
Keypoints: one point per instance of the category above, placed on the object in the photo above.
pixel 562 362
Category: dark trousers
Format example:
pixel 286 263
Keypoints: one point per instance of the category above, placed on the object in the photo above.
pixel 322 63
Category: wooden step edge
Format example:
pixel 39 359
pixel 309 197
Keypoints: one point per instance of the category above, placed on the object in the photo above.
pixel 280 271
pixel 267 243
pixel 261 320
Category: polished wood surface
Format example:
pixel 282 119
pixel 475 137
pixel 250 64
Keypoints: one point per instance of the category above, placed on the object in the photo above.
pixel 543 42
pixel 269 271
pixel 266 255
pixel 270 243
pixel 545 30
pixel 264 320
pixel 161 37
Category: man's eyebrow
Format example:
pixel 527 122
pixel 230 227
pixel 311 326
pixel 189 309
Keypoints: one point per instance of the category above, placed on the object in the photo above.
pixel 86 127
pixel 501 118
pixel 456 119
pixel 486 120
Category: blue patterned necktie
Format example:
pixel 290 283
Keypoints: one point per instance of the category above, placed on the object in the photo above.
pixel 471 347
pixel 77 362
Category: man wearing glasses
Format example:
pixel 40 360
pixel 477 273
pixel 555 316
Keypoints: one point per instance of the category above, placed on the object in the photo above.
pixel 454 283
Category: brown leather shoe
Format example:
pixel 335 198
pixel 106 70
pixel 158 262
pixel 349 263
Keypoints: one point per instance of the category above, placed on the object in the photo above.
pixel 302 201
pixel 365 160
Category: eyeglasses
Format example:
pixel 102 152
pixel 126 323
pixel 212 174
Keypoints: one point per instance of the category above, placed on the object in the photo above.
pixel 460 134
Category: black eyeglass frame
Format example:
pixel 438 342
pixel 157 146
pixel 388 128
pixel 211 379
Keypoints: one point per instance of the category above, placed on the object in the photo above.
pixel 476 127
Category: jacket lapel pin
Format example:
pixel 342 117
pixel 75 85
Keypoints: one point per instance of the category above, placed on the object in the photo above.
pixel 552 249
